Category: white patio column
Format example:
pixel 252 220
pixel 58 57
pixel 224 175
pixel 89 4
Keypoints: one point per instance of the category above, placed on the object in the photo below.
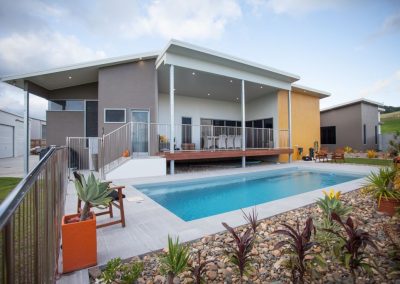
pixel 243 125
pixel 172 116
pixel 290 122
pixel 26 128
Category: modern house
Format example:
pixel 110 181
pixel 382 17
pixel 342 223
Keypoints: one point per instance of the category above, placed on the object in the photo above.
pixel 220 107
pixel 12 133
pixel 355 124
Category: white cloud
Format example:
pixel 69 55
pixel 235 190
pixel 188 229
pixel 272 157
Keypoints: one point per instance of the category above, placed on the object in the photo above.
pixel 385 90
pixel 26 52
pixel 390 25
pixel 293 7
pixel 182 19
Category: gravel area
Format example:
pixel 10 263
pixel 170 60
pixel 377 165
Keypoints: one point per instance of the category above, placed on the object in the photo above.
pixel 267 262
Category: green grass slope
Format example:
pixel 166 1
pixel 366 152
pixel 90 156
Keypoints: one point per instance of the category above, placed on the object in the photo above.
pixel 6 185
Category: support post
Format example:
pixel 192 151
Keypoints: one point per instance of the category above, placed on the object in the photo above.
pixel 172 116
pixel 243 125
pixel 26 128
pixel 290 122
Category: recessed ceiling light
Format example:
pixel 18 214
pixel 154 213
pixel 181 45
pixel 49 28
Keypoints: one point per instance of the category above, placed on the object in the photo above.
pixel 231 81
pixel 193 73
pixel 208 94
pixel 70 77
pixel 237 98
pixel 261 87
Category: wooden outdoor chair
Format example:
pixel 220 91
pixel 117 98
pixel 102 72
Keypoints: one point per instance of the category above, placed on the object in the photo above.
pixel 117 200
pixel 338 155
pixel 322 154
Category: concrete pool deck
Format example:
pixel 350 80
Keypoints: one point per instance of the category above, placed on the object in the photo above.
pixel 148 224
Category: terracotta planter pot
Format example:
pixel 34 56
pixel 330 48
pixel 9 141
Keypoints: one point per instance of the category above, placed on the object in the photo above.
pixel 388 206
pixel 125 154
pixel 79 243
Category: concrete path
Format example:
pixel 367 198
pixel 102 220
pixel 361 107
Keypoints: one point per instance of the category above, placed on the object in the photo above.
pixel 14 167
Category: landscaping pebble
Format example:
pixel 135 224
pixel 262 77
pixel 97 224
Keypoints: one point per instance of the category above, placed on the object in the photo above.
pixel 267 262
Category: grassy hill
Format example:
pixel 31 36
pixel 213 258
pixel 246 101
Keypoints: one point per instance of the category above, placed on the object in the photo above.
pixel 391 122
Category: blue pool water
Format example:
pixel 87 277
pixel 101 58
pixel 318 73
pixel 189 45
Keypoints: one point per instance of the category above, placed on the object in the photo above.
pixel 200 198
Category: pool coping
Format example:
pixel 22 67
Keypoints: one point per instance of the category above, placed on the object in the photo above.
pixel 212 224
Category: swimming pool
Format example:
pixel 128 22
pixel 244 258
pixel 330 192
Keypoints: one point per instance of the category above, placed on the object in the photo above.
pixel 205 197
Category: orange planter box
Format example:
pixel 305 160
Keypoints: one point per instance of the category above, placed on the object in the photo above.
pixel 79 243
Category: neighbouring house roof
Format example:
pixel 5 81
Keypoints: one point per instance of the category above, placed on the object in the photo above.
pixel 20 116
pixel 358 101
pixel 310 91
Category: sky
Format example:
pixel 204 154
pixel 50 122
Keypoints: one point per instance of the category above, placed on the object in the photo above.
pixel 348 48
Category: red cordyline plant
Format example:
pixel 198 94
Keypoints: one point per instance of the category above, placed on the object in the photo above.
pixel 298 246
pixel 350 251
pixel 252 219
pixel 198 269
pixel 241 253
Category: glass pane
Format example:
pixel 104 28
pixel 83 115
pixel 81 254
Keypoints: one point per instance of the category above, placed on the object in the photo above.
pixel 115 115
pixel 91 119
pixel 74 105
pixel 66 105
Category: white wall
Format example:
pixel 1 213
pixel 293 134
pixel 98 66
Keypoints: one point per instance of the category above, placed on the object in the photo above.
pixel 18 124
pixel 36 128
pixel 263 107
pixel 196 108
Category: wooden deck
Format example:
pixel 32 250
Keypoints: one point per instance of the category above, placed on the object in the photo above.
pixel 199 155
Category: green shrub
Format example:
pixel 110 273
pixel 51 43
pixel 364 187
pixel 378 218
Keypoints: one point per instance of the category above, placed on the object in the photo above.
pixel 175 260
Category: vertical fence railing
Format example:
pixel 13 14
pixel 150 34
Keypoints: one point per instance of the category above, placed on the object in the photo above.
pixel 30 222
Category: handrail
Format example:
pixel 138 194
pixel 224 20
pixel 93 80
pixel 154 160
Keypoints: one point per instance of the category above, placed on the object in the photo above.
pixel 15 197
pixel 115 130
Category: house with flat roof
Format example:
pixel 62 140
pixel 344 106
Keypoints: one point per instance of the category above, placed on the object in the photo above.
pixel 355 124
pixel 183 103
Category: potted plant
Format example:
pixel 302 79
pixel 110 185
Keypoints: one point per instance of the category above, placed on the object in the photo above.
pixel 79 243
pixel 384 186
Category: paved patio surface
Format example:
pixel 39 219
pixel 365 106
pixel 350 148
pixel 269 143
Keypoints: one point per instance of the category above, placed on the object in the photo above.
pixel 14 167
pixel 148 224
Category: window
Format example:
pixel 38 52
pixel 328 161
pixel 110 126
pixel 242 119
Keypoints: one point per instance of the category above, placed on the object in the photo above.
pixel 364 134
pixel 91 125
pixel 44 132
pixel 376 134
pixel 186 130
pixel 328 135
pixel 66 105
pixel 114 115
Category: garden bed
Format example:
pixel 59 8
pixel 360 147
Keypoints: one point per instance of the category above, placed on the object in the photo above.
pixel 267 262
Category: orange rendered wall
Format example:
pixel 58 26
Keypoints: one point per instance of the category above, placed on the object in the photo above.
pixel 305 121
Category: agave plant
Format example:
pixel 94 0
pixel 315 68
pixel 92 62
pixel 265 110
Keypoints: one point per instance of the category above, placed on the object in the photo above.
pixel 298 247
pixel 351 250
pixel 198 269
pixel 93 193
pixel 175 260
pixel 381 184
pixel 252 219
pixel 331 203
pixel 241 253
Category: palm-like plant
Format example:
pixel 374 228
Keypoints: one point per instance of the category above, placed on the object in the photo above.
pixel 381 184
pixel 92 192
pixel 252 219
pixel 331 203
pixel 175 261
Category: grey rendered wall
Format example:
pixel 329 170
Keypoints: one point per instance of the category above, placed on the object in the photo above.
pixel 61 124
pixel 81 92
pixel 348 126
pixel 129 86
pixel 370 119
